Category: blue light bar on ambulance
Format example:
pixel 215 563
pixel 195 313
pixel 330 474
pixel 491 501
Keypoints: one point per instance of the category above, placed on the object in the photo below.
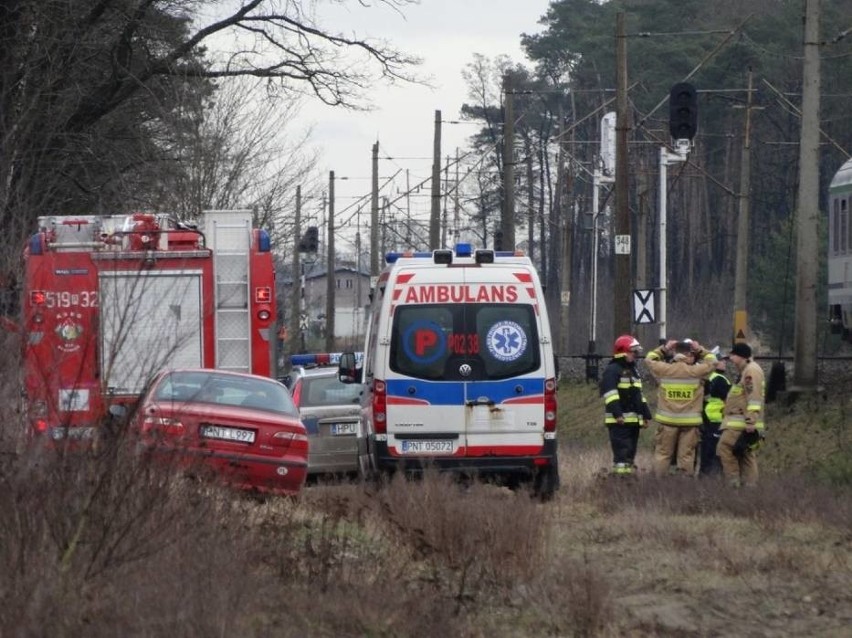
pixel 464 250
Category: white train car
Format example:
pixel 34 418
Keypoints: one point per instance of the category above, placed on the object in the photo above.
pixel 840 251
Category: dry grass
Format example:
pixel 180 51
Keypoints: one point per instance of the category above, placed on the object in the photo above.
pixel 103 544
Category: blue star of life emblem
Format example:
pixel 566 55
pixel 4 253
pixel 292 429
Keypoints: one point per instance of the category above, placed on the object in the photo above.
pixel 506 340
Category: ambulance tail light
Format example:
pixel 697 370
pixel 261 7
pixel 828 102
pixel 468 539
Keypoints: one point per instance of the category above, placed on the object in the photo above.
pixel 380 407
pixel 550 405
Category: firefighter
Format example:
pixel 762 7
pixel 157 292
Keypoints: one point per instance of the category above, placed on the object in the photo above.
pixel 716 388
pixel 625 408
pixel 680 400
pixel 742 424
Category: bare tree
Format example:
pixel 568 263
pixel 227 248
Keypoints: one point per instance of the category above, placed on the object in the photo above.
pixel 85 86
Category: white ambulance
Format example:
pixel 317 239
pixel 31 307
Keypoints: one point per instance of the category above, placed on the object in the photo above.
pixel 458 370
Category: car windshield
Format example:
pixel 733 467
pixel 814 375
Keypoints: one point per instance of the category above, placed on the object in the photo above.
pixel 224 389
pixel 328 390
pixel 497 341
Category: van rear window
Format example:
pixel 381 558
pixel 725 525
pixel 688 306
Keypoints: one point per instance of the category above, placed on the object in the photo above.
pixel 434 342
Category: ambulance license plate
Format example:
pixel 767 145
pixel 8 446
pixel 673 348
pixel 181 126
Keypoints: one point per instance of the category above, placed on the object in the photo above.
pixel 427 446
pixel 227 434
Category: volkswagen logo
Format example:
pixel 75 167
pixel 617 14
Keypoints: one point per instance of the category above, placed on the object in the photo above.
pixel 465 369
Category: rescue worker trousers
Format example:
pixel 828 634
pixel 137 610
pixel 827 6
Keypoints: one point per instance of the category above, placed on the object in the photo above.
pixel 709 463
pixel 675 440
pixel 623 439
pixel 737 471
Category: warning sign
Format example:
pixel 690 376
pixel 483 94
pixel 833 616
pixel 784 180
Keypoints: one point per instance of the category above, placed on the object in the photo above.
pixel 740 325
pixel 643 306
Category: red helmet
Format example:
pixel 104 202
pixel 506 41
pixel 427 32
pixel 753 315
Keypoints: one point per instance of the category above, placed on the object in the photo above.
pixel 625 344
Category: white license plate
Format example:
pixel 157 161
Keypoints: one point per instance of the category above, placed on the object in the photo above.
pixel 340 429
pixel 227 434
pixel 427 446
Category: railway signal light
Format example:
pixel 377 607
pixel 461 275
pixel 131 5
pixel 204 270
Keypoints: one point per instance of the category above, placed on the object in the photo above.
pixel 683 111
pixel 310 240
pixel 498 240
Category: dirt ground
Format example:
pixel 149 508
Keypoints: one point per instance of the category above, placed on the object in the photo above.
pixel 682 557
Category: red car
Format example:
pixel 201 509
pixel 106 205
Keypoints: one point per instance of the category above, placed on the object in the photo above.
pixel 242 427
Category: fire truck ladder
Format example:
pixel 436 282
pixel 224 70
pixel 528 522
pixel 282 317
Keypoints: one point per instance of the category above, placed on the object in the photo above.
pixel 229 235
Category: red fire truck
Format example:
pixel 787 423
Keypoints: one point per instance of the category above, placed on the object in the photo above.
pixel 110 300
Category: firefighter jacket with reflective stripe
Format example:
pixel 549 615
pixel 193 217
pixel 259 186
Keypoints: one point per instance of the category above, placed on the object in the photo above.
pixel 716 390
pixel 680 399
pixel 744 405
pixel 621 390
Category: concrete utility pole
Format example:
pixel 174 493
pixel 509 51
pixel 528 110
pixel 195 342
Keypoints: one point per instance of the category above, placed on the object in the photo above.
pixel 444 219
pixel 807 211
pixel 374 217
pixel 294 330
pixel 566 217
pixel 741 329
pixel 622 287
pixel 435 217
pixel 358 318
pixel 456 203
pixel 507 220
pixel 329 274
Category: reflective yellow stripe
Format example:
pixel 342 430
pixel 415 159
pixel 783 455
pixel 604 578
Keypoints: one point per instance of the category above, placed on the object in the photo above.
pixel 669 418
pixel 679 381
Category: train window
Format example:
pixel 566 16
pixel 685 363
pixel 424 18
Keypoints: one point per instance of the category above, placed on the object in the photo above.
pixel 844 225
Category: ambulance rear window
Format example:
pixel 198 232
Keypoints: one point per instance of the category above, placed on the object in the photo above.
pixel 497 341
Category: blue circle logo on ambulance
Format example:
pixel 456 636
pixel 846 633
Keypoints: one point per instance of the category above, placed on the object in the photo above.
pixel 506 341
pixel 424 342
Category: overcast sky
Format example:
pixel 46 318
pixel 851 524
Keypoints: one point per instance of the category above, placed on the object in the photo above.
pixel 445 34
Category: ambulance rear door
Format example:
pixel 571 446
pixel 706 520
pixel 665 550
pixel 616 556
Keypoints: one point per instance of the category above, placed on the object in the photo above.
pixel 504 389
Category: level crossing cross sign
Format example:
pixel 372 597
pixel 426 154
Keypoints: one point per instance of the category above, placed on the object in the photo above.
pixel 643 306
